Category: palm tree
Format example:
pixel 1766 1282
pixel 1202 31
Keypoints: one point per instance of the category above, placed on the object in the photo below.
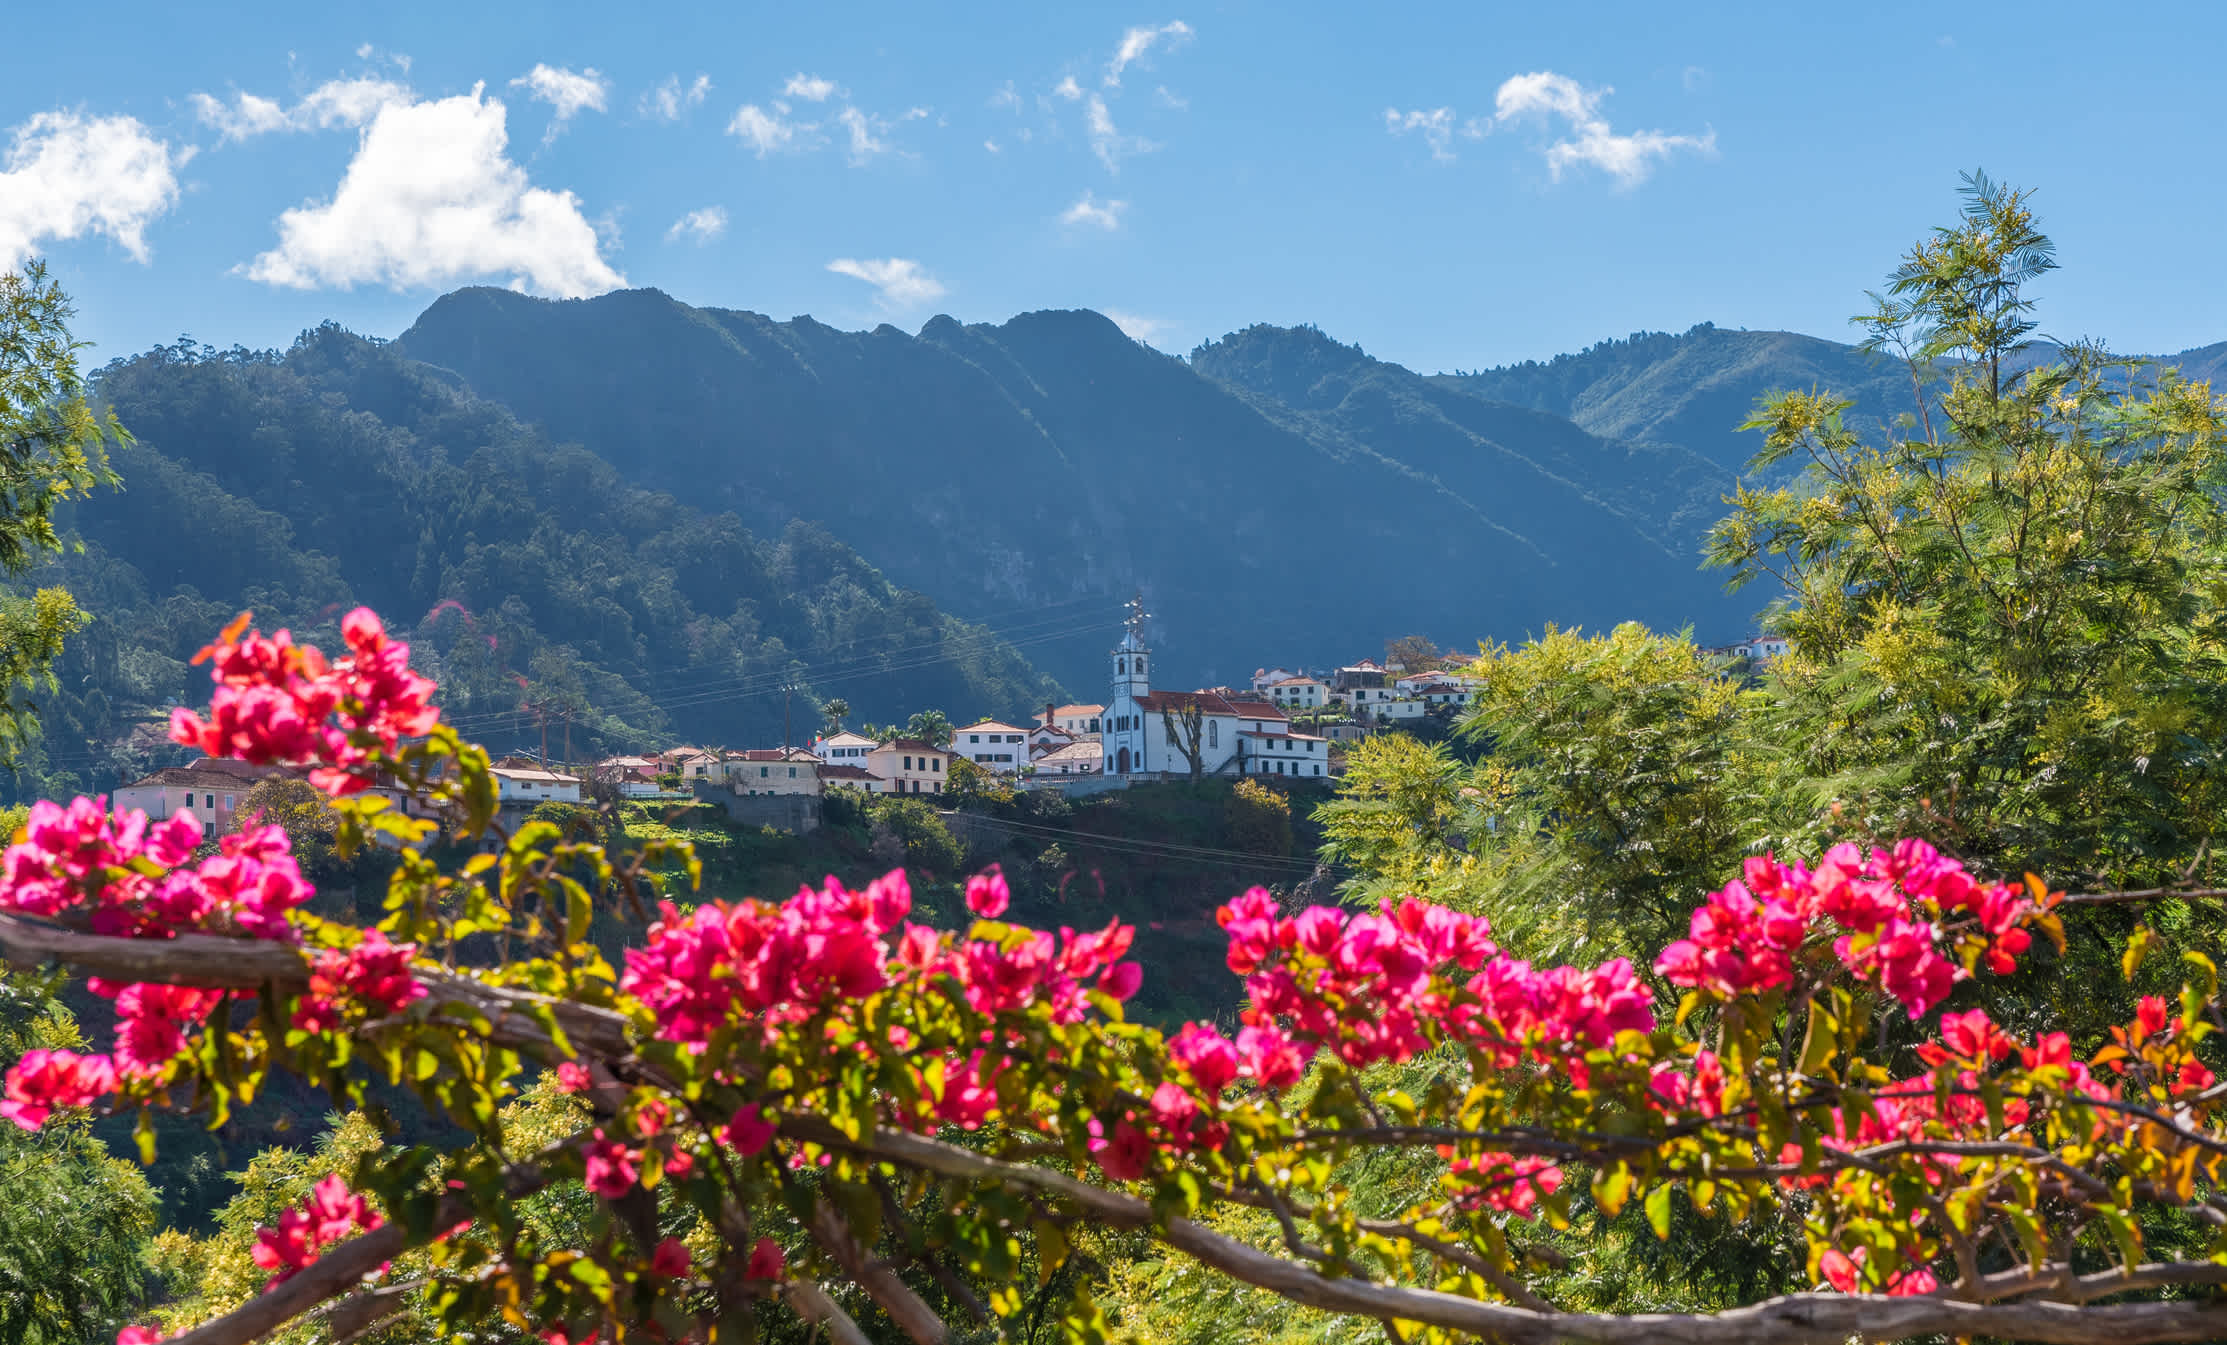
pixel 837 711
pixel 930 727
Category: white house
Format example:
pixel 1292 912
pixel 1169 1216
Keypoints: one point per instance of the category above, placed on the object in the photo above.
pixel 1264 678
pixel 1266 752
pixel 992 745
pixel 1080 721
pixel 1077 758
pixel 521 787
pixel 909 766
pixel 1045 738
pixel 845 749
pixel 1397 710
pixel 1297 693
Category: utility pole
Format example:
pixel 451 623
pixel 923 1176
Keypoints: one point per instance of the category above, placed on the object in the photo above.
pixel 788 689
pixel 568 737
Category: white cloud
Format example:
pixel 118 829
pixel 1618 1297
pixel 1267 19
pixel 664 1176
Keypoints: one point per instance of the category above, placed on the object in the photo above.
pixel 811 88
pixel 700 226
pixel 567 92
pixel 1098 214
pixel 1628 158
pixel 1107 142
pixel 338 102
pixel 1435 125
pixel 1007 97
pixel 992 146
pixel 901 283
pixel 669 98
pixel 865 133
pixel 67 175
pixel 1136 328
pixel 1068 89
pixel 1167 97
pixel 1137 41
pixel 770 132
pixel 431 199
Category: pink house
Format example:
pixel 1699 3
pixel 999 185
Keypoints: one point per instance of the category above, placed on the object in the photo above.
pixel 211 788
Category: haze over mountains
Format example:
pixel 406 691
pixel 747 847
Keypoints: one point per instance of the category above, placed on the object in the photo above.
pixel 1277 497
pixel 656 516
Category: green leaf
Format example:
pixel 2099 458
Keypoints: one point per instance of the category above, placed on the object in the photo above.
pixel 1658 1211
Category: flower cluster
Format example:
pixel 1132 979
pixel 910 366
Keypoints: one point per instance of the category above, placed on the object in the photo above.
pixel 1501 1181
pixel 1380 986
pixel 123 873
pixel 43 1080
pixel 722 963
pixel 280 703
pixel 150 1019
pixel 374 975
pixel 332 1212
pixel 1892 904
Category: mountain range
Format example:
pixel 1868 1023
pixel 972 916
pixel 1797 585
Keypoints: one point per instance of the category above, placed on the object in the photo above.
pixel 650 521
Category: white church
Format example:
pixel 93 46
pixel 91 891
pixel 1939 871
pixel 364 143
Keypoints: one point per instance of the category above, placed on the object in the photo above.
pixel 1144 731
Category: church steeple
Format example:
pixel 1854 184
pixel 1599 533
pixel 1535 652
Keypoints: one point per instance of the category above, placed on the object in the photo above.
pixel 1130 675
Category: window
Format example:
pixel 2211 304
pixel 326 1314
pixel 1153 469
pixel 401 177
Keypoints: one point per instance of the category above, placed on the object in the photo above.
pixel 935 763
pixel 228 803
pixel 764 771
pixel 792 772
pixel 1213 733
pixel 974 737
pixel 908 763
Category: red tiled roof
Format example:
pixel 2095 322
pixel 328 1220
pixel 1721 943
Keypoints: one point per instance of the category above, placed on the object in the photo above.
pixel 847 773
pixel 1077 709
pixel 1153 702
pixel 1257 710
pixel 773 754
pixel 1295 737
pixel 915 745
pixel 194 777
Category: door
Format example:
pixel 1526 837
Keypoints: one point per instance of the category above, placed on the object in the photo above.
pixel 1121 762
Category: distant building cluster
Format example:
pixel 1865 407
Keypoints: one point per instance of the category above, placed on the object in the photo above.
pixel 1139 733
pixel 1761 650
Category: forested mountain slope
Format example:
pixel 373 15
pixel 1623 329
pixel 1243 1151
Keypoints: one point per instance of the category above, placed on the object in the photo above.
pixel 1694 389
pixel 1050 458
pixel 523 570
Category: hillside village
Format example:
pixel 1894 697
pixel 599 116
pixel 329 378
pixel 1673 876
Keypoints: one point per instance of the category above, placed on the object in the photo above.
pixel 1288 724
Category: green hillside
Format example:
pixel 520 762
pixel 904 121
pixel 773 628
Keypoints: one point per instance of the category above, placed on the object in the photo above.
pixel 524 571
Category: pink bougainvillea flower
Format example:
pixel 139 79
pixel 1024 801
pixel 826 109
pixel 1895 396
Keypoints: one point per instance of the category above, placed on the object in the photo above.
pixel 987 895
pixel 45 1079
pixel 330 1213
pixel 670 1260
pixel 748 1131
pixel 611 1170
pixel 572 1077
pixel 766 1261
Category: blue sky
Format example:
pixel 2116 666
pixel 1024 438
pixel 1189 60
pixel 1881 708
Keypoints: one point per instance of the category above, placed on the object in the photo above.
pixel 1451 186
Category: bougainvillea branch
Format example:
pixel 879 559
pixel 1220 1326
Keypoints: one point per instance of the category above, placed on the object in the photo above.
pixel 1816 1047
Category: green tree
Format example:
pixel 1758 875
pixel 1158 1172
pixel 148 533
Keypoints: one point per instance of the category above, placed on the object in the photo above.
pixel 1412 653
pixel 75 1223
pixel 2007 620
pixel 929 726
pixel 1258 819
pixel 1628 780
pixel 835 712
pixel 53 448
